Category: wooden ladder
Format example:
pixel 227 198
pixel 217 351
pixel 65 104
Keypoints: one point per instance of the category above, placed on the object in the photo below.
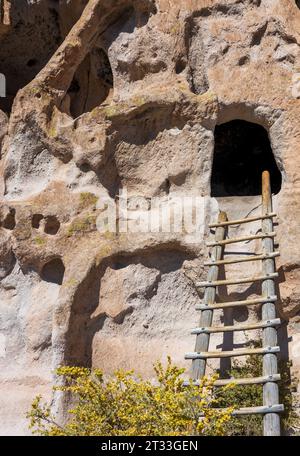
pixel 270 376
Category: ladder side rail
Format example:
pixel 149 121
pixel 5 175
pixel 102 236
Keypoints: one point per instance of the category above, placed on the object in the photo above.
pixel 202 340
pixel 270 365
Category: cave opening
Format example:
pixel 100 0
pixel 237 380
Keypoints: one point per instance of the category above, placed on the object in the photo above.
pixel 92 84
pixel 242 152
pixel 52 225
pixel 53 271
pixel 30 33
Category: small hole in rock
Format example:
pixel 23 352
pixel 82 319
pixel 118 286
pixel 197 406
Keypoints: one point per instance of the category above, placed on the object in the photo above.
pixel 84 167
pixel 117 266
pixel 32 62
pixel 52 225
pixel 36 221
pixel 180 66
pixel 10 220
pixel 243 60
pixel 54 271
pixel 167 186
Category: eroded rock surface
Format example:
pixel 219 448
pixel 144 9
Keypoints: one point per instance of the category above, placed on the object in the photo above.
pixel 105 95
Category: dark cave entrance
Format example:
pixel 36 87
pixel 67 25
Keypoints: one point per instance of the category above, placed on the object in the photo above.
pixel 242 152
pixel 54 271
pixel 92 84
pixel 29 35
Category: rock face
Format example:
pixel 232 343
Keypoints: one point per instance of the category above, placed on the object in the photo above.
pixel 104 96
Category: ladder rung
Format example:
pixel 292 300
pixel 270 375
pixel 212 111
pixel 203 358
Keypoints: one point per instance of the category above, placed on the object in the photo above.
pixel 261 410
pixel 246 327
pixel 247 302
pixel 232 353
pixel 240 381
pixel 245 220
pixel 241 239
pixel 217 283
pixel 233 260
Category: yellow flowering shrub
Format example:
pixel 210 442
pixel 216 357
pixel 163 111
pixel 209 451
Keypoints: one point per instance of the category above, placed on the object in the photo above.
pixel 127 405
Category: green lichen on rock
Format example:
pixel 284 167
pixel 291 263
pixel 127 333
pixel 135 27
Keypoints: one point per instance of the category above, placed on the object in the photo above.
pixel 139 101
pixel 71 282
pixel 206 97
pixel 38 240
pixel 52 132
pixel 119 109
pixel 103 252
pixel 82 225
pixel 88 199
pixel 115 110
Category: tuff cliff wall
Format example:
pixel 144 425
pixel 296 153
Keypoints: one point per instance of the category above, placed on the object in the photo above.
pixel 130 98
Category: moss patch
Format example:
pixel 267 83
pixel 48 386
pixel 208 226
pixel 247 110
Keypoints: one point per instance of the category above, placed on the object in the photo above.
pixel 82 225
pixel 88 199
pixel 38 240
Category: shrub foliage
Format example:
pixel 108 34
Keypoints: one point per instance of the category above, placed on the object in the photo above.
pixel 126 404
